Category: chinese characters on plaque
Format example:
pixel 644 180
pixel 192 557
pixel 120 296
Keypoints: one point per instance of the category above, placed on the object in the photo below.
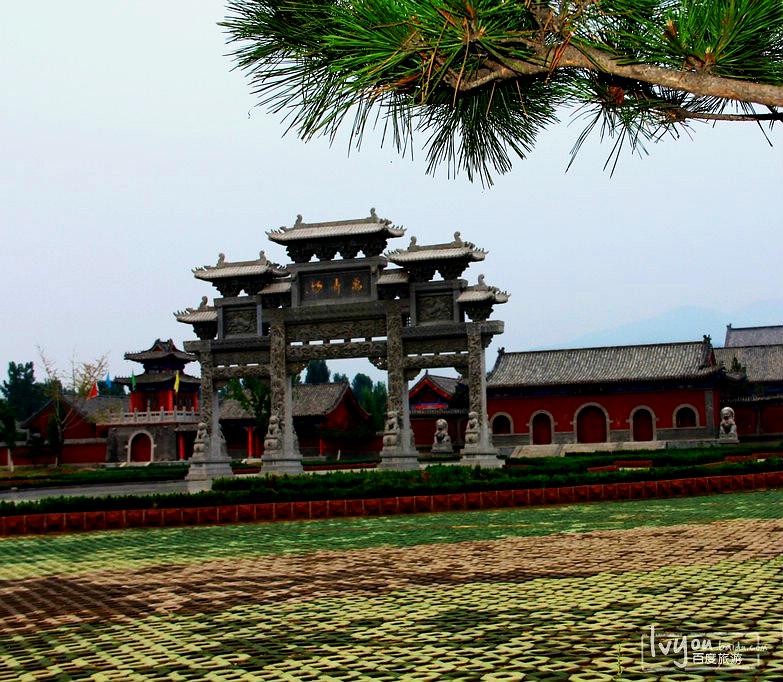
pixel 336 285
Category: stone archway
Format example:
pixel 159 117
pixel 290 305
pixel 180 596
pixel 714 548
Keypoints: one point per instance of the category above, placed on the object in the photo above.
pixel 388 308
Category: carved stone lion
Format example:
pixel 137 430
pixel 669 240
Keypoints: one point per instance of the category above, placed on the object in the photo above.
pixel 391 430
pixel 472 429
pixel 728 427
pixel 442 442
pixel 273 438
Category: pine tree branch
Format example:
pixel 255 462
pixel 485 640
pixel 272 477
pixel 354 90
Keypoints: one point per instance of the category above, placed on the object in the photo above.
pixel 564 56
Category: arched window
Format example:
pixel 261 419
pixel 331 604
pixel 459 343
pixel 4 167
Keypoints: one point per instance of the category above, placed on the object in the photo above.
pixel 591 425
pixel 642 424
pixel 541 429
pixel 685 417
pixel 501 424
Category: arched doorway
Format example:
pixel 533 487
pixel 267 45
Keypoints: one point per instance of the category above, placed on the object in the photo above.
pixel 541 429
pixel 591 425
pixel 501 425
pixel 642 425
pixel 685 417
pixel 140 448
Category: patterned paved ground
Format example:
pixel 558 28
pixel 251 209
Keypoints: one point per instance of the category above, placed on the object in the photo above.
pixel 538 594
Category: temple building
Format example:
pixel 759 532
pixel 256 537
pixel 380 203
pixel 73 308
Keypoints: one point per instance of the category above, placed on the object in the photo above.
pixel 163 383
pixel 85 440
pixel 327 418
pixel 163 398
pixel 629 395
pixel 754 358
pixel 435 397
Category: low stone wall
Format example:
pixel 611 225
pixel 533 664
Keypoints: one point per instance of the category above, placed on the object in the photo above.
pixel 561 449
pixel 321 509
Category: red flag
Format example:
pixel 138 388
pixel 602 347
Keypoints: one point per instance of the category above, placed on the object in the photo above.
pixel 93 391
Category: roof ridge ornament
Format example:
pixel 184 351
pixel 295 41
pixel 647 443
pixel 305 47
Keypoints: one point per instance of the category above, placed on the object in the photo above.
pixel 221 259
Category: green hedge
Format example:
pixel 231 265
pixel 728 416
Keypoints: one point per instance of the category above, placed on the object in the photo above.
pixel 343 485
pixel 55 478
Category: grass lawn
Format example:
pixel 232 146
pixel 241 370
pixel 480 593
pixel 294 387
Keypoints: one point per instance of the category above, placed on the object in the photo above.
pixel 558 593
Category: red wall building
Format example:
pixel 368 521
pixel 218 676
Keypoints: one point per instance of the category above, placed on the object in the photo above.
pixel 84 440
pixel 614 394
pixel 327 419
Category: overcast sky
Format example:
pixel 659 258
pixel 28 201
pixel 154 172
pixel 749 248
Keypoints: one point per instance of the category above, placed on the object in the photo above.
pixel 131 152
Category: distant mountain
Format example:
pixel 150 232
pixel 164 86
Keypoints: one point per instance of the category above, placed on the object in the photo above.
pixel 686 323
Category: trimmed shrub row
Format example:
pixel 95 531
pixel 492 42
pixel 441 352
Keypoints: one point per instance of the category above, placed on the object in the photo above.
pixel 55 478
pixel 409 504
pixel 436 480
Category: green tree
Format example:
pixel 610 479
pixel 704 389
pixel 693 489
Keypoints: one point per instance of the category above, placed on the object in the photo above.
pixel 254 396
pixel 8 431
pixel 481 78
pixel 360 384
pixel 23 393
pixel 340 378
pixel 373 399
pixel 317 372
pixel 113 389
pixel 83 376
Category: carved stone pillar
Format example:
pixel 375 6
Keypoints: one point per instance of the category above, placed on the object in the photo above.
pixel 281 447
pixel 478 450
pixel 398 451
pixel 210 459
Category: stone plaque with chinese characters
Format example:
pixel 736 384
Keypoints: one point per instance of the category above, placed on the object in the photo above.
pixel 333 286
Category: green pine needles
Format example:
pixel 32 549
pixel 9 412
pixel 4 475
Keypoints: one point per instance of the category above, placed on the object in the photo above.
pixel 479 79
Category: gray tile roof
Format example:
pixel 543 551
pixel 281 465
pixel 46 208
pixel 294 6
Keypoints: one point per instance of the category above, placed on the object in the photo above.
pixel 753 336
pixel 482 292
pixel 393 276
pixel 309 400
pixel 761 363
pixel 447 384
pixel 92 409
pixel 191 316
pixel 603 365
pixel 452 250
pixel 160 349
pixel 276 288
pixel 336 228
pixel 246 268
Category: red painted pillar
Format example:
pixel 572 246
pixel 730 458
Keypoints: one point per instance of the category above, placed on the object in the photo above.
pixel 170 400
pixel 250 440
pixel 181 446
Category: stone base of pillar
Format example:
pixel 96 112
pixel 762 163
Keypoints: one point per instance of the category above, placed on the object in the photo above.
pixel 394 459
pixel 485 460
pixel 209 463
pixel 279 463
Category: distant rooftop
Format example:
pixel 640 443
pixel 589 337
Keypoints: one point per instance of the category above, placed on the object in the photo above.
pixel 654 362
pixel 448 251
pixel 308 400
pixel 246 268
pixel 302 231
pixel 753 336
pixel 761 363
pixel 160 350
